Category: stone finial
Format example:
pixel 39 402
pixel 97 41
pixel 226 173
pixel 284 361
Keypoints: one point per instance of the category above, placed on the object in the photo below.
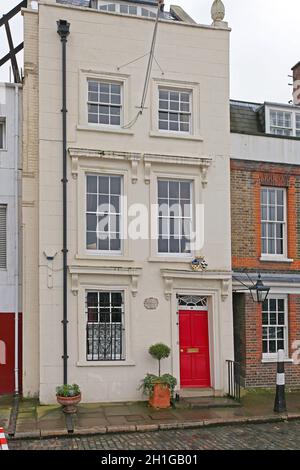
pixel 218 11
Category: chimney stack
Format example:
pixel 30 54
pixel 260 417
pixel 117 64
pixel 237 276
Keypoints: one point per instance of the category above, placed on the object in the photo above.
pixel 296 84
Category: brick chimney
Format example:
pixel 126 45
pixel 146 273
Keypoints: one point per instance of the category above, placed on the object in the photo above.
pixel 296 83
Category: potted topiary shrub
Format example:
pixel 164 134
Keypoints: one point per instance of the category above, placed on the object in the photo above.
pixel 68 396
pixel 159 388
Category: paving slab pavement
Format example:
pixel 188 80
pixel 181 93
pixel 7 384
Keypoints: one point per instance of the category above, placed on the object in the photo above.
pixel 35 420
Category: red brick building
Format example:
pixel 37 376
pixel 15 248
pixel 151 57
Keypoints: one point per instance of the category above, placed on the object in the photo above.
pixel 265 210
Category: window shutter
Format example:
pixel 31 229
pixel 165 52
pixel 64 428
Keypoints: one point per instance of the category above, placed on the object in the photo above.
pixel 3 237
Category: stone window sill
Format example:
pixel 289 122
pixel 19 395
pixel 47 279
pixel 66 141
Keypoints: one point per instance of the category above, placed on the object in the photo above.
pixel 273 360
pixel 105 363
pixel 274 259
pixel 109 130
pixel 174 135
pixel 165 259
pixel 103 258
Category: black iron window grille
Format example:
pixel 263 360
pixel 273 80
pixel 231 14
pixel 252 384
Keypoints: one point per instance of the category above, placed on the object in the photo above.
pixel 105 327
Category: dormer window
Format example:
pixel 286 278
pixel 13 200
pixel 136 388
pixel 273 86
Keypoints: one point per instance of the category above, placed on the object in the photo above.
pixel 127 9
pixel 107 7
pixel 284 122
pixel 281 123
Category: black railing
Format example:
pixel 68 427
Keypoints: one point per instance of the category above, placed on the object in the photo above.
pixel 105 342
pixel 234 382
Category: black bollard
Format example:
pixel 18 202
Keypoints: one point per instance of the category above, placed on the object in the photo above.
pixel 280 403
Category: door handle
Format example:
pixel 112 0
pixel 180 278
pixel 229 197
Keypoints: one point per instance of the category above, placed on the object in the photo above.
pixel 190 350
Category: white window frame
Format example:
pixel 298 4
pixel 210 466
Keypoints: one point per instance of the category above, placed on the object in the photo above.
pixel 179 112
pixel 270 256
pixel 293 112
pixel 120 79
pixel 2 133
pixel 106 167
pixel 192 212
pixel 109 104
pixel 186 87
pixel 107 252
pixel 139 8
pixel 89 357
pixel 180 173
pixel 92 282
pixel 273 356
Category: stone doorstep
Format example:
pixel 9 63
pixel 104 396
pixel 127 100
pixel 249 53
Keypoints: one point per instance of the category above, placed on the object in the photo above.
pixel 40 434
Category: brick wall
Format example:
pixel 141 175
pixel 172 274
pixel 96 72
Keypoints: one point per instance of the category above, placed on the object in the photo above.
pixel 248 321
pixel 247 178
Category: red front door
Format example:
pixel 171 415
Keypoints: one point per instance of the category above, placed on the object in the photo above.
pixel 194 349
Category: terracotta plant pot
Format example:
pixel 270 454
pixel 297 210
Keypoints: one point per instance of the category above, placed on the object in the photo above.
pixel 69 403
pixel 161 397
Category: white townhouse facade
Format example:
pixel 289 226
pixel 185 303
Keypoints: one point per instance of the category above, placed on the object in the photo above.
pixel 124 293
pixel 10 279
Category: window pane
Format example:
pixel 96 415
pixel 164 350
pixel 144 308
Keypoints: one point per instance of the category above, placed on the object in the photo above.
pixel 272 209
pixel 104 220
pixel 93 118
pixel 162 189
pixel 109 95
pixel 103 119
pixel 115 120
pixel 162 245
pixel 272 318
pixel 272 346
pixel 174 245
pixel 174 105
pixel 163 125
pixel 173 189
pixel 92 184
pixel 91 242
pixel 103 243
pixel 178 106
pixel 103 182
pixel 91 222
pixel 175 223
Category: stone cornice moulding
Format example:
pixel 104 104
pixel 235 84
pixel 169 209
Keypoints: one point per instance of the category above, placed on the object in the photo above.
pixel 170 274
pixel 203 163
pixel 76 154
pixel 133 273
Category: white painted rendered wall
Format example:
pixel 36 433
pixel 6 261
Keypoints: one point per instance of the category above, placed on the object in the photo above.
pixel 98 43
pixel 7 189
pixel 265 149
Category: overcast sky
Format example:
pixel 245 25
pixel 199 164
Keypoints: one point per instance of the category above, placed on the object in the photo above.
pixel 264 43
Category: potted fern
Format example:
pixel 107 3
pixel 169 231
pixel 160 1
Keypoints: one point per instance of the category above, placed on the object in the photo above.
pixel 68 396
pixel 159 388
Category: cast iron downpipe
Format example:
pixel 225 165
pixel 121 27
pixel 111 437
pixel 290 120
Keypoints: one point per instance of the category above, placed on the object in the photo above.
pixel 63 29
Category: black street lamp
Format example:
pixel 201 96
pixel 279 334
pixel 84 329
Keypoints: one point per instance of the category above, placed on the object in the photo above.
pixel 259 292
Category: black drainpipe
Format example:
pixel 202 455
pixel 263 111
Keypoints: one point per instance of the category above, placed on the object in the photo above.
pixel 63 29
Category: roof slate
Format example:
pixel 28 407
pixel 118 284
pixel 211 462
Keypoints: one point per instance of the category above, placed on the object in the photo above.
pixel 246 118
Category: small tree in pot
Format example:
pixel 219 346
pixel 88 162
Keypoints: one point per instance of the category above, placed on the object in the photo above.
pixel 159 388
pixel 68 396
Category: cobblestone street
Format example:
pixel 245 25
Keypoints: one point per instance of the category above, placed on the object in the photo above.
pixel 273 436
